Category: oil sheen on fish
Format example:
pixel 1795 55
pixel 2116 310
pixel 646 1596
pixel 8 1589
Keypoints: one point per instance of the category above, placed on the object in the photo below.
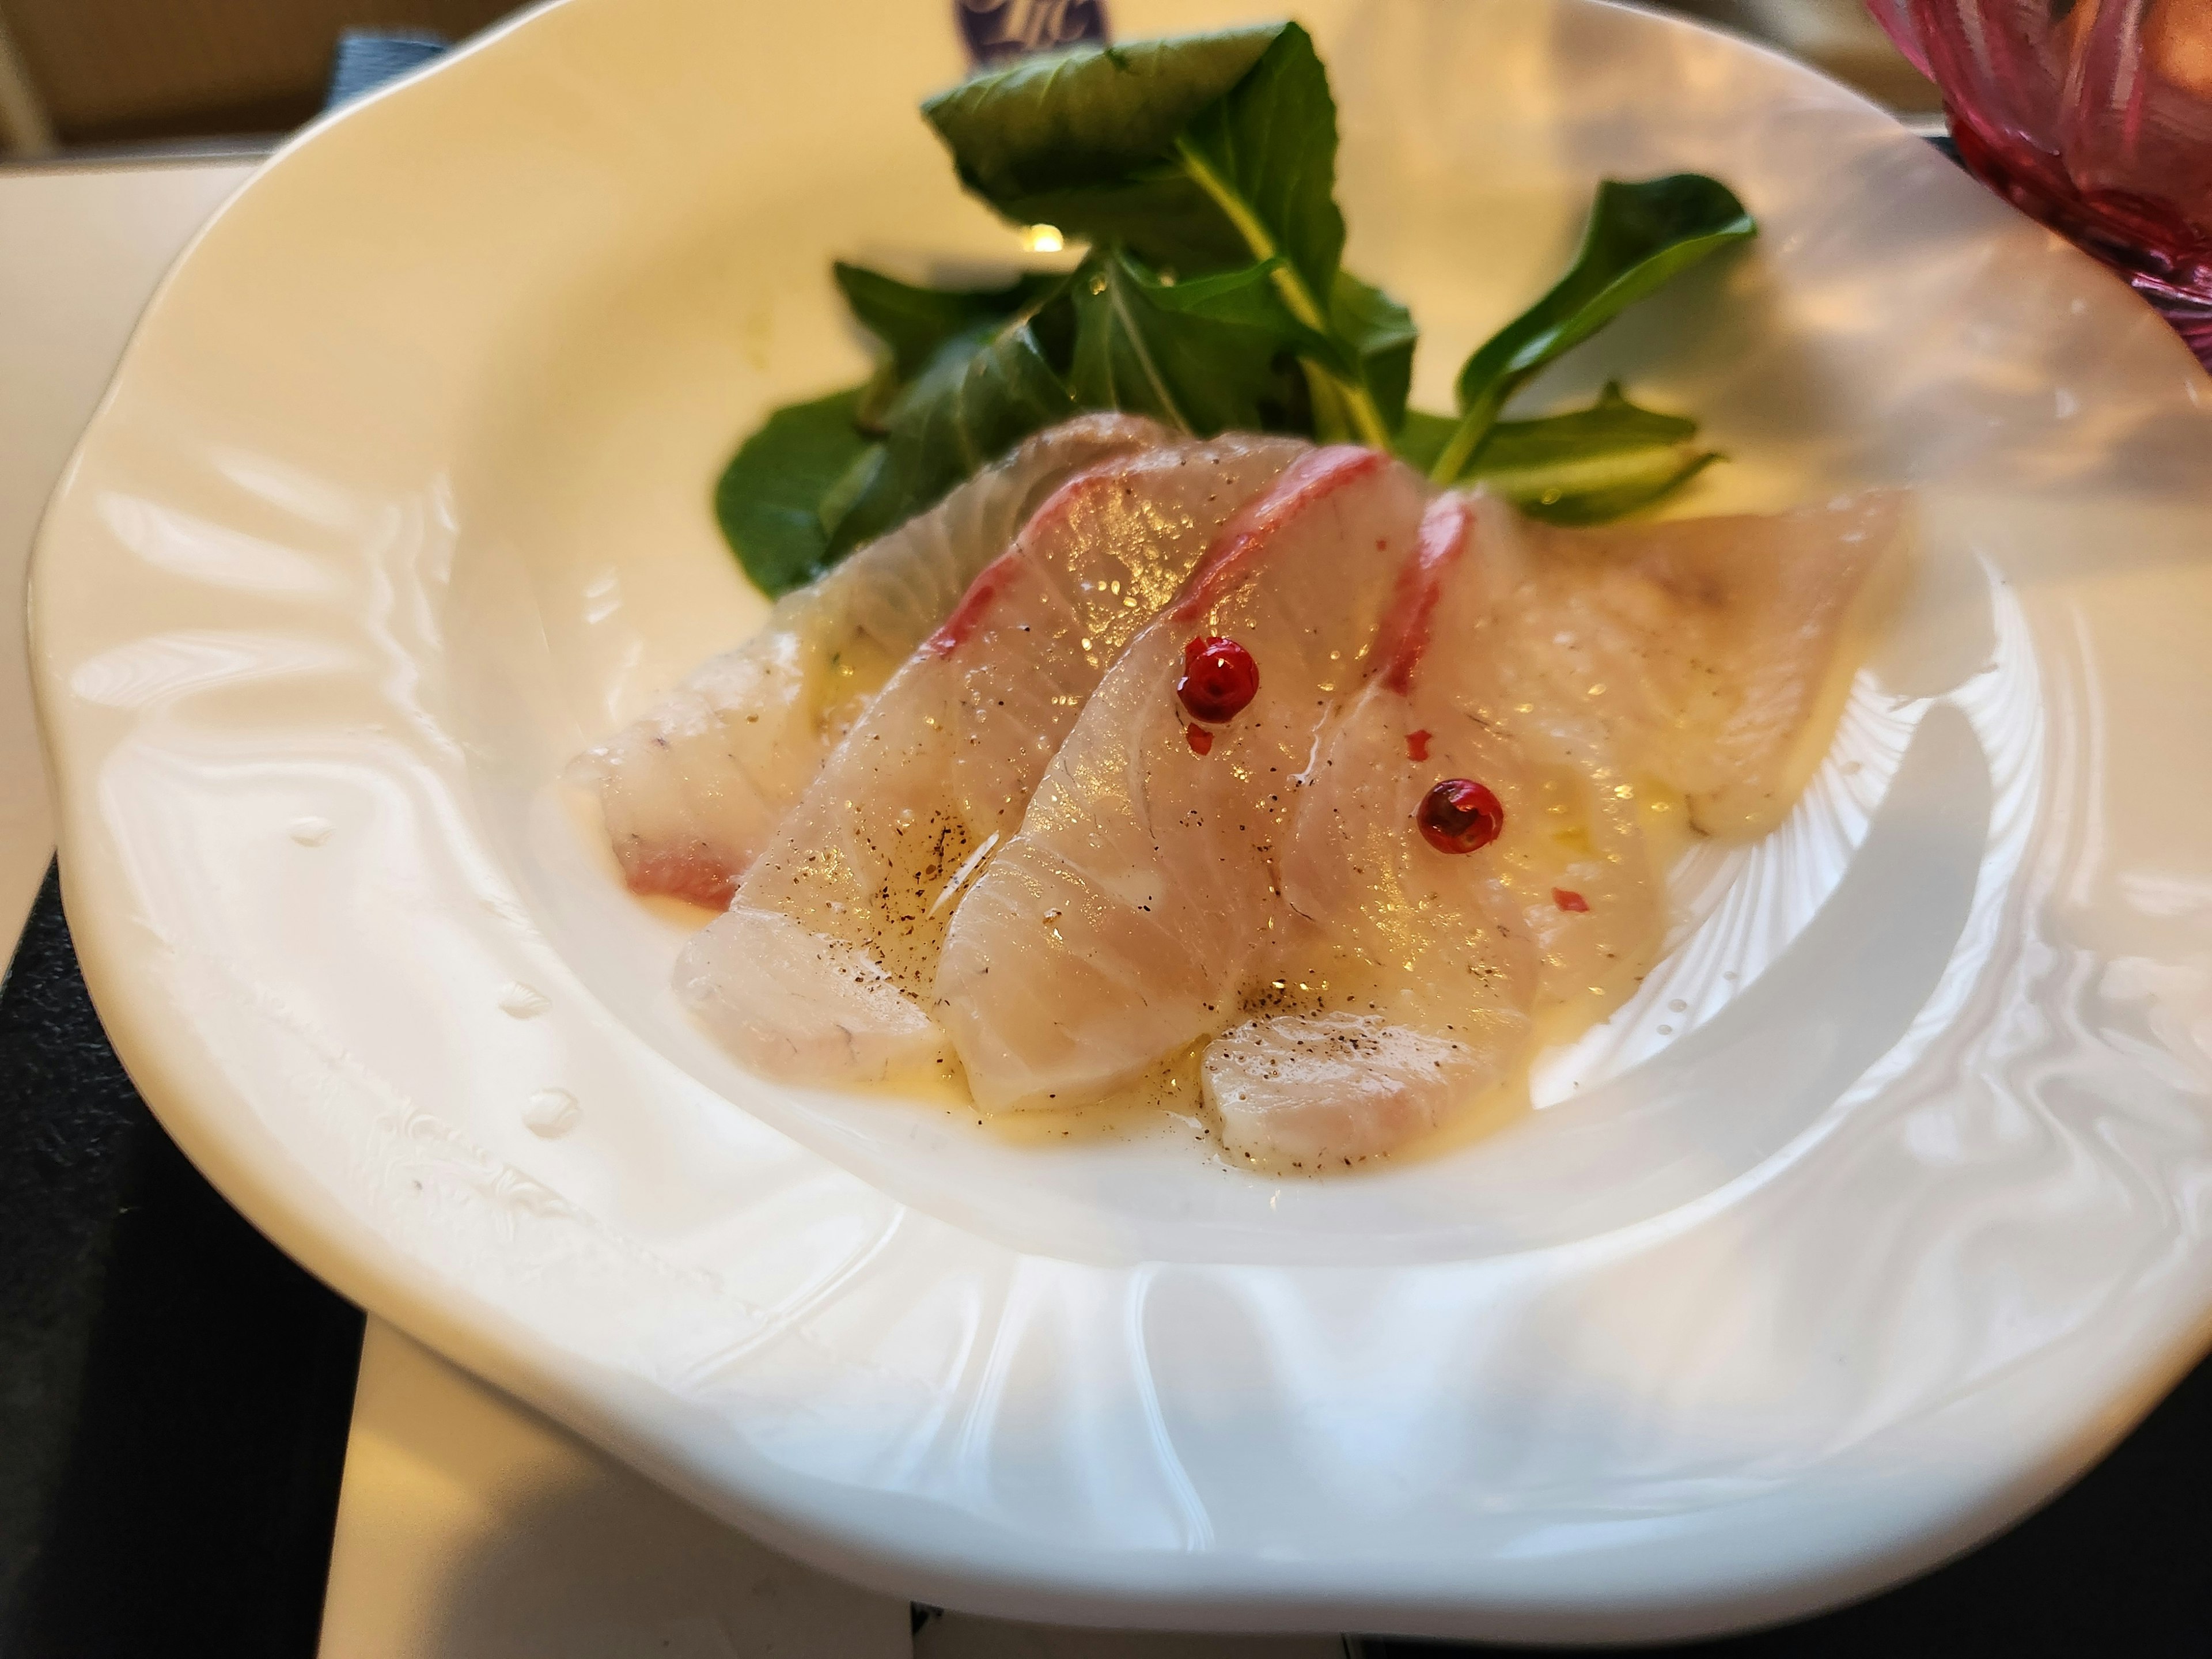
pixel 1140 901
pixel 1400 983
pixel 692 792
pixel 820 969
pixel 1243 750
pixel 1704 645
pixel 1568 673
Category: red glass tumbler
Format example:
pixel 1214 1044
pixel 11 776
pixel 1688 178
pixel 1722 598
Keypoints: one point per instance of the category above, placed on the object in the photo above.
pixel 2093 116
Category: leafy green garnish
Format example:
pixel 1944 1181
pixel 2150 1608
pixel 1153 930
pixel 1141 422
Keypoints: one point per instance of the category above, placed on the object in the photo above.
pixel 1379 334
pixel 1639 236
pixel 1611 425
pixel 1201 173
pixel 1086 139
pixel 1597 488
pixel 1135 144
pixel 1581 466
pixel 914 322
pixel 769 499
pixel 1266 156
pixel 1209 355
pixel 980 394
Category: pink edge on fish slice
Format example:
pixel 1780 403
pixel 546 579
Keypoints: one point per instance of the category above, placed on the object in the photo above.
pixel 1401 990
pixel 1118 927
pixel 1446 529
pixel 1000 573
pixel 817 971
pixel 1003 572
pixel 691 791
pixel 1243 542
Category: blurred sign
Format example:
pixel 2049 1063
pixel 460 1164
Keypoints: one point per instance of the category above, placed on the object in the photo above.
pixel 997 30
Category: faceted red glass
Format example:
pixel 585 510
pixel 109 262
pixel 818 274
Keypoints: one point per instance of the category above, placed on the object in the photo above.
pixel 2092 116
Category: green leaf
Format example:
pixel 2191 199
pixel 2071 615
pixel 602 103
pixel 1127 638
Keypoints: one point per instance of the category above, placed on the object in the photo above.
pixel 1640 237
pixel 1089 118
pixel 1583 466
pixel 1200 155
pixel 1379 336
pixel 768 500
pixel 1267 152
pixel 914 322
pixel 1160 212
pixel 1611 425
pixel 849 486
pixel 1608 486
pixel 1085 140
pixel 1207 355
pixel 1267 155
pixel 1421 438
pixel 980 394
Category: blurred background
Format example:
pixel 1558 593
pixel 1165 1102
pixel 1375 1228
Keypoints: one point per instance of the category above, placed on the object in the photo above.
pixel 80 75
pixel 83 77
pixel 1836 34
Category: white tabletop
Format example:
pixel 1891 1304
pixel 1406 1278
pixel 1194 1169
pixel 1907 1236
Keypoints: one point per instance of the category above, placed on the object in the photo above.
pixel 80 249
pixel 468 1528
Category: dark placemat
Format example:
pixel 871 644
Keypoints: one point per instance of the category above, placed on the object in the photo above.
pixel 2120 1565
pixel 174 1393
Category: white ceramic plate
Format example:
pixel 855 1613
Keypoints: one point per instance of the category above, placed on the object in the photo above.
pixel 1882 1210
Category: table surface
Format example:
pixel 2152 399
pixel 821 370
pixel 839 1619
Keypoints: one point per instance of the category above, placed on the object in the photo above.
pixel 467 1525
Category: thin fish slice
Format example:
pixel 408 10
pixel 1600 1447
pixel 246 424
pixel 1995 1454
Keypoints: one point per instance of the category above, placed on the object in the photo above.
pixel 1566 672
pixel 1399 989
pixel 1478 651
pixel 691 792
pixel 1704 645
pixel 813 972
pixel 1127 918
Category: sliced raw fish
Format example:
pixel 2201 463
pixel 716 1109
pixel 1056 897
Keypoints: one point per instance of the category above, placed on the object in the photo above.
pixel 1474 654
pixel 812 974
pixel 1399 986
pixel 1127 918
pixel 1566 672
pixel 691 792
pixel 1704 645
